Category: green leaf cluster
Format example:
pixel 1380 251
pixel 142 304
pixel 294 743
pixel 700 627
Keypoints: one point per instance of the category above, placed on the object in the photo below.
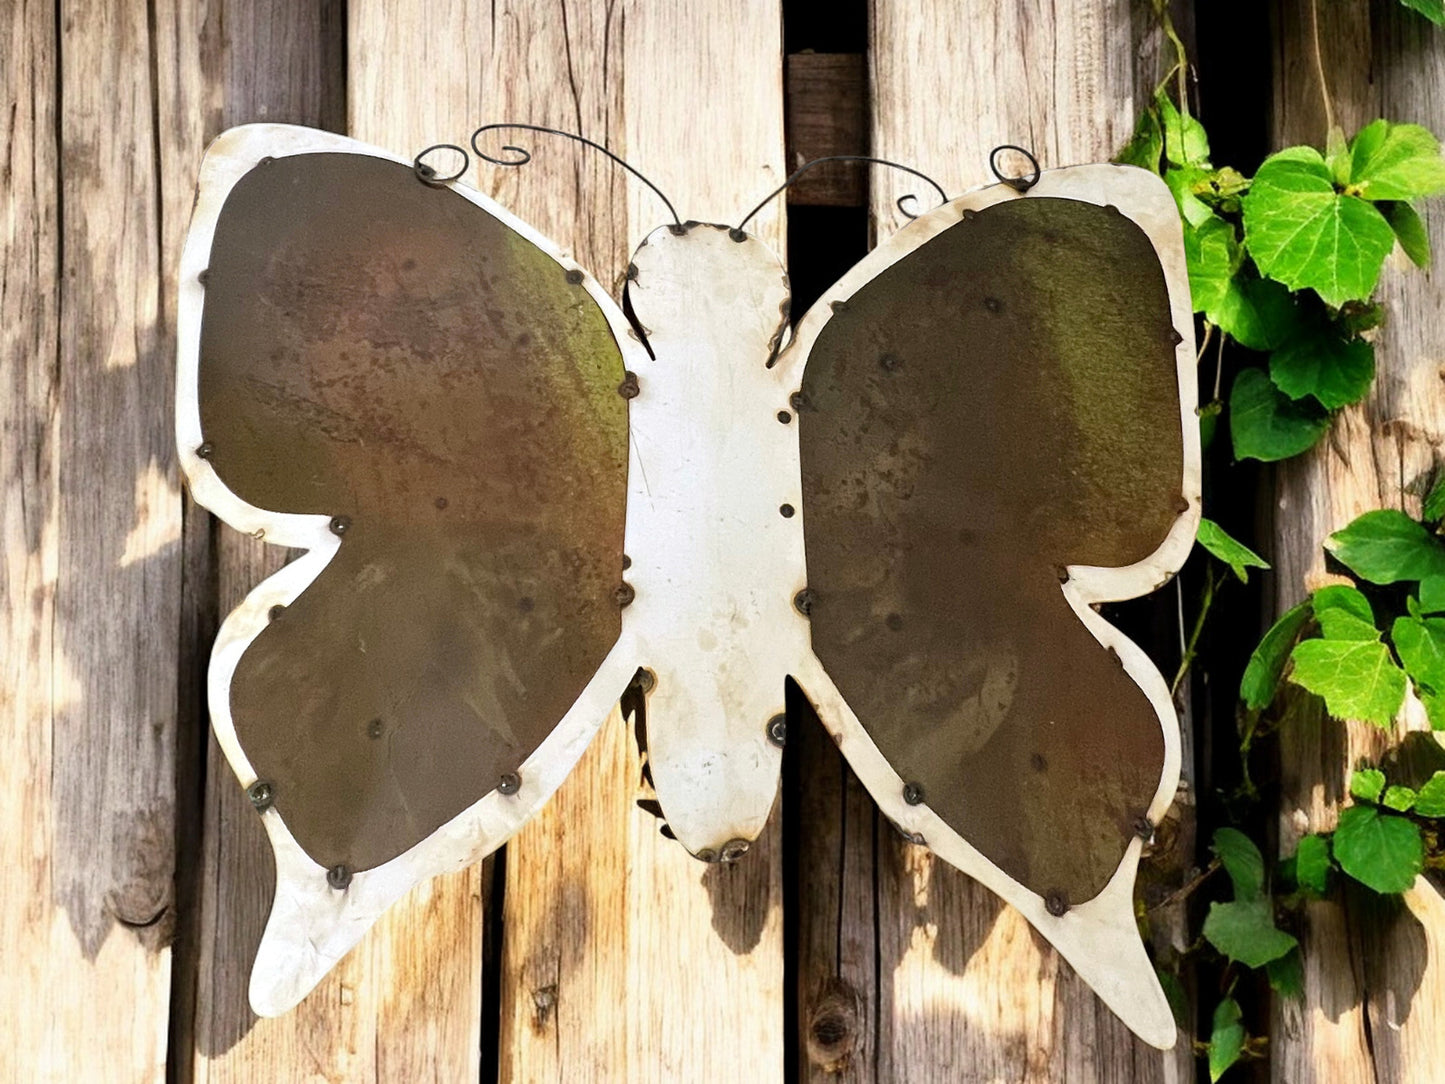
pixel 1285 263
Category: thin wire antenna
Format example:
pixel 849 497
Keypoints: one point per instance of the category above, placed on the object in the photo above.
pixel 942 195
pixel 524 156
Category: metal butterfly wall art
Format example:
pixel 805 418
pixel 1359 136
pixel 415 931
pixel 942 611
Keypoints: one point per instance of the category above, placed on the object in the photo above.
pixel 515 499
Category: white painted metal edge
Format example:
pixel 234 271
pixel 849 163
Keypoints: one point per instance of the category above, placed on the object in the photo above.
pixel 1099 937
pixel 313 925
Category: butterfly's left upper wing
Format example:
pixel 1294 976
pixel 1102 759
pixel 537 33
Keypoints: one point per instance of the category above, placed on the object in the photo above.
pixel 408 383
pixel 996 433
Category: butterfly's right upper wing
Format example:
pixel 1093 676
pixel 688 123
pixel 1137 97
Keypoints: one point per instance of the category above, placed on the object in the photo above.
pixel 409 384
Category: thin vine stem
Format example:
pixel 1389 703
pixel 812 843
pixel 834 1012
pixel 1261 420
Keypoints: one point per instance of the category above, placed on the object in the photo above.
pixel 1320 68
pixel 1191 649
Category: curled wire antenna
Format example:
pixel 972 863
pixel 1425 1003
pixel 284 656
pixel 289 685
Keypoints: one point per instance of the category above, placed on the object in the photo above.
pixel 942 195
pixel 519 156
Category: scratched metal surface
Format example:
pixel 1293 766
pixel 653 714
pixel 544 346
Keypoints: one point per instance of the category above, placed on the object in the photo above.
pixel 999 404
pixel 381 350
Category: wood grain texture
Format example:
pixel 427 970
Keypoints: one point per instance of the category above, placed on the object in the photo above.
pixel 91 585
pixel 962 984
pixel 827 115
pixel 1374 981
pixel 623 957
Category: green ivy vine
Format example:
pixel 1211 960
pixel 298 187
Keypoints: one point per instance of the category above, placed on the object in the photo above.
pixel 1283 267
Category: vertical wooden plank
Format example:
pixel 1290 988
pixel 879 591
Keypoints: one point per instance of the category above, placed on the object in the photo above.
pixel 92 568
pixel 963 986
pixel 624 958
pixel 1374 981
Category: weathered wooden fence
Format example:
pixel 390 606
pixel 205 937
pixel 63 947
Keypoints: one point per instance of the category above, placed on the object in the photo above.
pixel 134 877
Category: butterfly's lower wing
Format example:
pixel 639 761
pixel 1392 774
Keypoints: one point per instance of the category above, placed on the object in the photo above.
pixel 997 433
pixel 413 387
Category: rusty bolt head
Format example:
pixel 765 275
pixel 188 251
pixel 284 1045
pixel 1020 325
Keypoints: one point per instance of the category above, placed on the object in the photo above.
pixel 737 235
pixel 1056 902
pixel 375 729
pixel 803 602
pixel 798 401
pixel 575 276
pixel 206 450
pixel 340 525
pixel 735 849
pixel 338 876
pixel 677 229
pixel 261 795
pixel 784 417
pixel 838 306
pixel 913 793
pixel 426 171
pixel 510 783
pixel 707 854
pixel 624 594
pixel 629 388
pixel 626 562
pixel 204 277
pixel 890 363
pixel 646 680
pixel 778 730
pixel 275 612
pixel 1144 828
pixel 1174 337
pixel 787 511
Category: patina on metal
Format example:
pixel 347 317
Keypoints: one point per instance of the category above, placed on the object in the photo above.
pixel 997 405
pixel 383 352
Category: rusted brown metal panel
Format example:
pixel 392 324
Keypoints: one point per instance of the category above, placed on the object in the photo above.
pixel 378 349
pixel 995 407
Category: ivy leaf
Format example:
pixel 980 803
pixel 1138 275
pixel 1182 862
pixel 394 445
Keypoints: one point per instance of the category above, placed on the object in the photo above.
pixel 1182 181
pixel 1420 643
pixel 1266 424
pixel 1226 1038
pixel 1312 863
pixel 1434 10
pixel 1310 237
pixel 1367 784
pixel 1396 162
pixel 1244 930
pixel 1336 371
pixel 1430 799
pixel 1344 613
pixel 1434 708
pixel 1357 678
pixel 1146 145
pixel 1387 546
pixel 1232 552
pixel 1380 850
pixel 1409 230
pixel 1257 313
pixel 1175 993
pixel 1432 594
pixel 1185 141
pixel 1400 799
pixel 1266 662
pixel 1434 505
pixel 1211 253
pixel 1241 860
pixel 1287 975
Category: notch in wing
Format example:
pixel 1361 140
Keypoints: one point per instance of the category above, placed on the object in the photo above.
pixel 998 432
pixel 401 379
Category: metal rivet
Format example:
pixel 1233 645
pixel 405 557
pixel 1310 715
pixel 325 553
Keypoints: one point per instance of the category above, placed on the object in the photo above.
pixel 786 510
pixel 890 363
pixel 838 306
pixel 735 849
pixel 1144 828
pixel 894 621
pixel 1056 902
pixel 204 277
pixel 575 276
pixel 340 524
pixel 1038 762
pixel 375 729
pixel 624 594
pixel 261 795
pixel 737 235
pixel 1062 573
pixel 266 161
pixel 677 229
pixel 969 215
pixel 441 503
pixel 1174 337
pixel 338 876
pixel 629 388
pixel 526 604
pixel 707 854
pixel 803 602
pixel 993 304
pixel 206 450
pixel 510 783
pixel 626 562
pixel 425 170
pixel 1181 505
pixel 778 730
pixel 913 793
pixel 784 417
pixel 632 272
pixel 645 680
pixel 275 611
pixel 798 401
